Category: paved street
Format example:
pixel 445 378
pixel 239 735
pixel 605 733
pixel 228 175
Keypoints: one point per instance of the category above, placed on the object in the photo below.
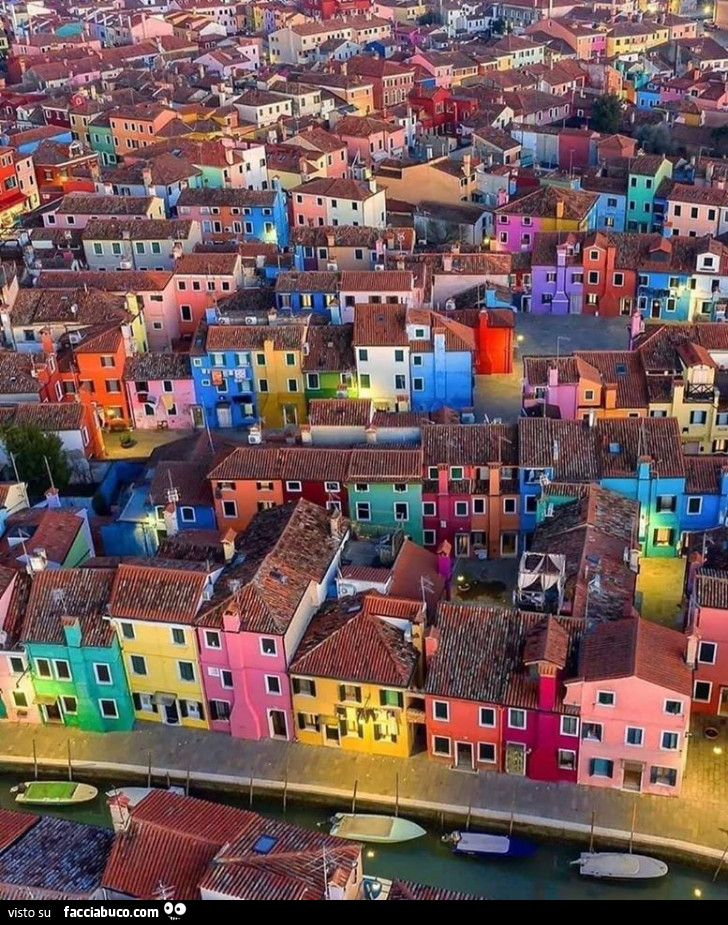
pixel 500 396
pixel 699 818
pixel 660 584
pixel 142 442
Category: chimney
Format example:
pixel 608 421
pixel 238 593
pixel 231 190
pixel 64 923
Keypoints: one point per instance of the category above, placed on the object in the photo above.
pixel 147 179
pixel 553 376
pixel 691 650
pixel 306 437
pixel 467 165
pixel 610 395
pixel 336 525
pixel 170 519
pixel 559 208
pixel 373 185
pixel 231 620
pixel 400 263
pixel 71 631
pixel 228 544
pixel 370 434
pixel 47 342
pixel 447 263
pixel 53 498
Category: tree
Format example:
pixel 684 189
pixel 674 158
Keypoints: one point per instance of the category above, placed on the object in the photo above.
pixel 29 445
pixel 430 18
pixel 606 114
pixel 498 26
pixel 719 137
pixel 655 139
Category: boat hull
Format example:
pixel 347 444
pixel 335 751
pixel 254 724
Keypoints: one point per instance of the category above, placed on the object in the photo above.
pixel 366 827
pixel 620 866
pixel 477 844
pixel 55 793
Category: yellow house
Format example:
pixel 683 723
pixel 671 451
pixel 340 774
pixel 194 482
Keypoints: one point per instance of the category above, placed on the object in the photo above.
pixel 635 37
pixel 153 607
pixel 279 384
pixel 356 673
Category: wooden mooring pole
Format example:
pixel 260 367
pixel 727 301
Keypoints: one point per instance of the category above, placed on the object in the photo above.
pixel 396 794
pixel 187 780
pixel 35 760
pixel 149 769
pixel 634 819
pixel 70 763
pixel 467 820
pixel 250 790
pixel 720 864
pixel 285 790
pixel 591 831
pixel 353 797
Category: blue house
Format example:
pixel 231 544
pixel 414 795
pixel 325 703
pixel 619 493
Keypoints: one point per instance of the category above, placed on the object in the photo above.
pixel 638 458
pixel 223 374
pixel 611 208
pixel 251 215
pixel 180 497
pixel 705 502
pixel 647 96
pixel 664 272
pixel 308 291
pixel 441 361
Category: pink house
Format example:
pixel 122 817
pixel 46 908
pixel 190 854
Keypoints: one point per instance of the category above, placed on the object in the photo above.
pixel 369 140
pixel 249 632
pixel 708 642
pixel 435 64
pixel 17 697
pixel 200 280
pixel 161 391
pixel 548 208
pixel 494 692
pixel 632 692
pixel 568 383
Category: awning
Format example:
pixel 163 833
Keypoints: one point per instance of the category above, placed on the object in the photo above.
pixel 45 700
pixel 164 700
pixel 328 720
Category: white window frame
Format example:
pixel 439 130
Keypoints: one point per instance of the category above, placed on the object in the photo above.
pixel 187 514
pixel 480 718
pixel 138 674
pixel 494 759
pixel 263 639
pixel 101 710
pixel 669 732
pixel 276 678
pixel 290 487
pixel 641 742
pixel 611 694
pixel 105 665
pixel 62 661
pixel 448 739
pixel 673 700
pixel 184 661
pixel 217 635
pixel 172 631
pixel 459 512
pixel 441 719
pixel 511 724
pixel 712 661
pixel 710 690
pixel 563 732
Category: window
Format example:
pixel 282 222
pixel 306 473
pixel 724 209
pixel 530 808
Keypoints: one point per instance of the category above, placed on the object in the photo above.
pixel 486 752
pixel 332 486
pixel 601 767
pixel 591 732
pixel 401 510
pixel 293 385
pixel 695 505
pixel 212 639
pixel 127 630
pixel 399 356
pixel 304 687
pixel 361 487
pixel 138 664
pixel 20 699
pixel 186 671
pixel 461 508
pixel 441 710
pixel 391 699
pixel 698 417
pixel 670 741
pixel 178 636
pixel 702 691
pixel 98 249
pixel 185 312
pixel 593 277
pixel 531 504
pixel 478 505
pixel 43 668
pixel 70 705
pixel 605 698
pixel 226 678
pixel 268 646
pixel 290 359
pixel 674 707
pixel 569 726
pixel 707 652
pixel 363 355
pixel 566 759
pixel 457 473
pixel 634 735
pixel 618 279
pixel 441 745
pixel 429 537
pixel 62 669
pixel 666 503
pixel 666 777
pixel 349 693
pixel 486 717
pixel 273 684
pixel 509 505
pixel 418 384
pixel 417 359
pixel 262 385
pixel 294 486
pixel 363 510
pixel 103 673
pixel 400 383
pixel 17 665
pixel 229 509
pixel 220 710
pixel 312 381
pixel 517 719
pixel 108 709
pixel 260 359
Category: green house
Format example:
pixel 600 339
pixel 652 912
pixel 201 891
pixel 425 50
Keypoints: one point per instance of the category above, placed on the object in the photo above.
pixel 73 652
pixel 646 173
pixel 328 362
pixel 385 490
pixel 101 139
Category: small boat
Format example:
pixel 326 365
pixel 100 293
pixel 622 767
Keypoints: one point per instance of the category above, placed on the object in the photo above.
pixel 619 866
pixel 375 887
pixel 482 844
pixel 370 828
pixel 53 792
pixel 122 799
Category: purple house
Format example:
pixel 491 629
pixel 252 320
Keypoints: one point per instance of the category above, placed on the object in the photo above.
pixel 548 208
pixel 557 276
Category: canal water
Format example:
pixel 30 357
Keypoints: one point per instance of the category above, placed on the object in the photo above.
pixel 546 875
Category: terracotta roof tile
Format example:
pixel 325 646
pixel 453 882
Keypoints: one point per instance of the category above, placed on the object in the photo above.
pixel 103 204
pixel 470 444
pixel 340 412
pixel 543 203
pixel 313 464
pixel 45 305
pixel 329 348
pixel 153 367
pixel 207 264
pixel 13 825
pixel 188 479
pixel 380 464
pixel 380 324
pixel 53 417
pixel 118 281
pixel 704 473
pixel 711 589
pixel 353 190
pixel 307 281
pixel 79 593
pixel 247 462
pixel 159 591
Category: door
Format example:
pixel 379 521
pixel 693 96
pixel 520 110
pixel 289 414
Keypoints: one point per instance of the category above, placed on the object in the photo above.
pixel 290 415
pixel 526 303
pixel 509 544
pixel 632 777
pixel 515 758
pixel 171 713
pixel 655 309
pixel 331 734
pixel 198 416
pixel 224 415
pixel 723 702
pixel 277 724
pixel 52 713
pixel 575 303
pixel 464 756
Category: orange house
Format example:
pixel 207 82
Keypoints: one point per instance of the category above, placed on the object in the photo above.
pixel 134 127
pixel 94 369
pixel 247 481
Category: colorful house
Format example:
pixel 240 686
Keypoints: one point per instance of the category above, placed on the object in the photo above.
pixel 17 695
pixel 160 391
pixel 354 674
pixel 385 491
pixel 382 350
pixel 495 692
pixel 646 173
pixel 707 625
pixel 468 471
pixel 93 368
pixel 253 624
pixel 632 692
pixel 441 352
pixel 73 652
pixel 200 281
pixel 612 203
pixel 153 608
pixel 549 208
pixel 308 291
pixel 328 362
pixel 240 213
pixel 556 273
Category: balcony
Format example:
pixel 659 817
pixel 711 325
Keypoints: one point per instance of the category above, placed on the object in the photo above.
pixel 704 394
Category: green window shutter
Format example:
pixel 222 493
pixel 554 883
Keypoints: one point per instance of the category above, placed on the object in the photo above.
pixel 358 694
pixel 301 720
pixel 382 698
pixel 296 685
pixel 342 692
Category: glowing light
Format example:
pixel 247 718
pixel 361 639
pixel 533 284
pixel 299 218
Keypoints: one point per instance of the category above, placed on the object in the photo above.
pixel 717 750
pixel 370 853
pixel 697 893
pixel 520 338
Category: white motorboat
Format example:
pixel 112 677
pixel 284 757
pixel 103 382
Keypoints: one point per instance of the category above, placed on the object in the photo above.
pixel 367 827
pixel 605 865
pixel 122 799
pixel 483 844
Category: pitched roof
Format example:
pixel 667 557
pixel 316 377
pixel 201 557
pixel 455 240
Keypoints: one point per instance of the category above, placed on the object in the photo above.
pixel 346 642
pixel 247 462
pixel 335 188
pixel 636 648
pixel 329 348
pixel 711 589
pixel 187 478
pixel 81 307
pixel 378 325
pixel 164 591
pixel 469 444
pixel 81 593
pixel 103 204
pixel 545 202
pixel 307 281
pixel 381 464
pixel 154 367
pixel 377 281
pixel 340 412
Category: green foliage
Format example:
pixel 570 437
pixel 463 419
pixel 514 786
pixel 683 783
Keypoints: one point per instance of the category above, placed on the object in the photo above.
pixel 498 26
pixel 655 139
pixel 29 444
pixel 430 18
pixel 606 114
pixel 719 137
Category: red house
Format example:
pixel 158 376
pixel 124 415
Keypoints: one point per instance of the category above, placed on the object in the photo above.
pixel 494 342
pixel 318 475
pixel 430 103
pixel 575 146
pixel 329 9
pixel 494 692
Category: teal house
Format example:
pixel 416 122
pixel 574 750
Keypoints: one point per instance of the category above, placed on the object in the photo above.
pixel 646 173
pixel 101 139
pixel 73 653
pixel 385 490
pixel 328 362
